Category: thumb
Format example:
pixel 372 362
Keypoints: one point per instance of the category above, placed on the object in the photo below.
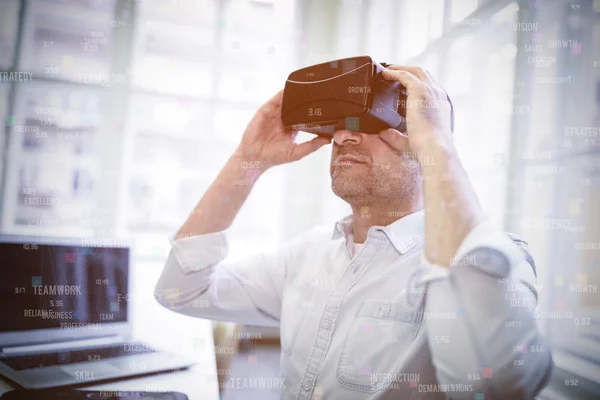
pixel 303 149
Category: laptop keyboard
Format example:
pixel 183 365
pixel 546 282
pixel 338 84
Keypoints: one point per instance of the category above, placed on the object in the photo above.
pixel 21 362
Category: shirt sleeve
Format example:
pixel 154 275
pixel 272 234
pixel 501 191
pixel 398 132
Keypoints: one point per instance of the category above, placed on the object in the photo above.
pixel 492 342
pixel 198 281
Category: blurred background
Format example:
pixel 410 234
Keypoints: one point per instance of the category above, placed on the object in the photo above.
pixel 125 111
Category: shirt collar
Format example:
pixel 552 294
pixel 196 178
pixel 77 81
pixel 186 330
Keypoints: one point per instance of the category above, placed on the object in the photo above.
pixel 404 233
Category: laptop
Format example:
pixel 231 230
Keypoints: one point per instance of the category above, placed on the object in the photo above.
pixel 65 314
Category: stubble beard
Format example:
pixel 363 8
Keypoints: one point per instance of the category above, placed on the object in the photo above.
pixel 376 184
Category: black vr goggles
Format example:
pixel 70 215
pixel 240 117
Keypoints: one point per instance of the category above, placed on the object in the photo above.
pixel 350 94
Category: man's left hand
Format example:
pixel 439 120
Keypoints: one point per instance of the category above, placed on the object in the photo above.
pixel 449 199
pixel 427 111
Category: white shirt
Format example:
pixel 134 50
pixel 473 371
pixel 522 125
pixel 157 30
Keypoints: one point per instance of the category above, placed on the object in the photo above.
pixel 383 324
pixel 356 248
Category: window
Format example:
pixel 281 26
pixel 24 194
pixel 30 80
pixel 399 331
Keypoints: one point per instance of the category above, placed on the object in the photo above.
pixel 133 110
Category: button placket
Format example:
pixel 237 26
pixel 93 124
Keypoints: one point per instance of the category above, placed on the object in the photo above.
pixel 372 247
pixel 331 312
pixel 322 342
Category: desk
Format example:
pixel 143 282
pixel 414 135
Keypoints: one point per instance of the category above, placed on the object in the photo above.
pixel 199 381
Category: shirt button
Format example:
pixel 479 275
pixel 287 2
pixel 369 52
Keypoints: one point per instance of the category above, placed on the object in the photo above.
pixel 307 385
pixel 326 324
pixel 385 308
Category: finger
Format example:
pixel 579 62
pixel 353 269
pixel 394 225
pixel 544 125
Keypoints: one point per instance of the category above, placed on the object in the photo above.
pixel 430 76
pixel 272 107
pixel 407 79
pixel 394 138
pixel 303 149
pixel 273 104
pixel 277 95
pixel 419 72
pixel 434 82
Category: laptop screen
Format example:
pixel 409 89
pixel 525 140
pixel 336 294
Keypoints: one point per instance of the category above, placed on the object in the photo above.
pixel 61 286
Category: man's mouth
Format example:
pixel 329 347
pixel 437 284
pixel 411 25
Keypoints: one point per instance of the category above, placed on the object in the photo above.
pixel 348 160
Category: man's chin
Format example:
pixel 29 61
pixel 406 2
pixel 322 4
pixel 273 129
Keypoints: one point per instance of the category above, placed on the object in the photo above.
pixel 347 189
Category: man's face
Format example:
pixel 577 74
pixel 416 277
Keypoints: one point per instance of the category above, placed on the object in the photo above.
pixel 365 169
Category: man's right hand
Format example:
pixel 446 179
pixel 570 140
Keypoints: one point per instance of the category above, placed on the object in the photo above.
pixel 267 141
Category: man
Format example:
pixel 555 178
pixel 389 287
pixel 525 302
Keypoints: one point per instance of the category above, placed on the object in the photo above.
pixel 415 295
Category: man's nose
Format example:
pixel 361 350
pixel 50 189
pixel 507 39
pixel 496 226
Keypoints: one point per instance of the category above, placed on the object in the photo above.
pixel 344 136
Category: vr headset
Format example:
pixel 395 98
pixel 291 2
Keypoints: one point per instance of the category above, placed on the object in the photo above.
pixel 349 93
